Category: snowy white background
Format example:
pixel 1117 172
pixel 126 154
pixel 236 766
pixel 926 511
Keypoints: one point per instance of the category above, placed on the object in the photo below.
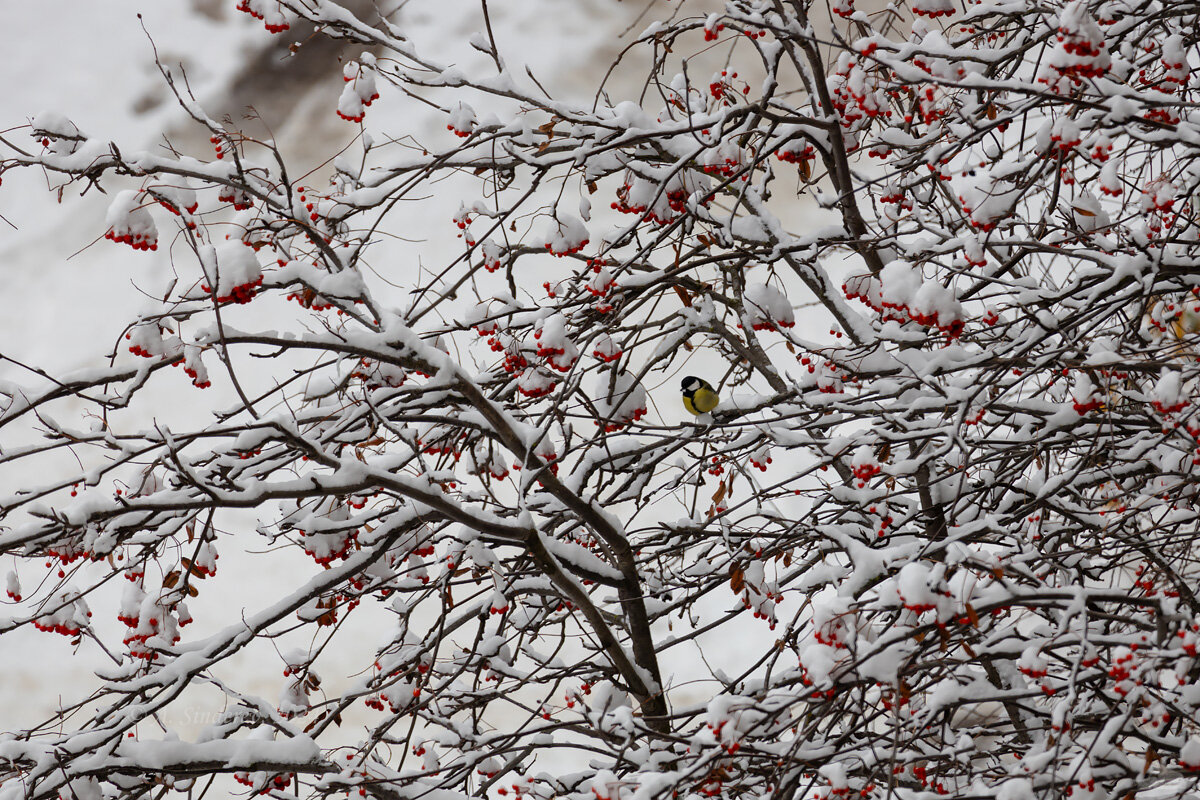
pixel 71 293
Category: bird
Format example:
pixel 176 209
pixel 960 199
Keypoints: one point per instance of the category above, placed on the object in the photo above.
pixel 699 397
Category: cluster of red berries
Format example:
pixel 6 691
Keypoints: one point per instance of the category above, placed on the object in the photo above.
pixel 67 556
pixel 1065 143
pixel 918 607
pixel 170 206
pixel 571 249
pixel 193 373
pixel 975 418
pixel 831 634
pixel 942 175
pixel 763 324
pixel 933 8
pixel 129 620
pixel 897 197
pixel 1093 65
pixel 722 89
pixel 277 783
pixel 310 299
pixel 1121 671
pixel 1089 785
pixel 927 107
pixel 240 294
pixel 333 554
pixel 608 355
pixel 309 205
pixel 1162 115
pixel 952 327
pixel 1168 409
pixel 726 167
pixel 276 26
pixel 552 354
pixel 69 629
pixel 1188 636
pixel 1037 669
pixel 615 425
pixel 920 773
pixel 757 611
pixel 138 241
pixel 1175 78
pixel 854 99
pixel 1101 150
pixel 864 472
pixel 205 566
pixel 1144 581
pixel 137 349
pixel 514 361
pixel 135 641
pixel 601 285
pixel 361 92
pixel 239 197
pixel 538 389
pixel 462 121
pixel 794 156
pixel 443 446
pixel 978 259
pixel 889 701
pixel 676 201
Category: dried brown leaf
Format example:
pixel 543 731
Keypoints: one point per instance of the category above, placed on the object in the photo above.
pixel 313 724
pixel 737 578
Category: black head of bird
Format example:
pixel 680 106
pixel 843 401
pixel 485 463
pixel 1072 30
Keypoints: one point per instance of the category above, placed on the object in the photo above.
pixel 699 397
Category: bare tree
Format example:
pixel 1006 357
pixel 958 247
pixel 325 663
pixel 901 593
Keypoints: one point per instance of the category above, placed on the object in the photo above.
pixel 961 522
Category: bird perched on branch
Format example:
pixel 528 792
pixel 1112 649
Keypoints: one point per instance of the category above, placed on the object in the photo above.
pixel 699 397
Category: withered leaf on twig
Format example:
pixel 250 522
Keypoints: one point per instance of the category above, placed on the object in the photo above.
pixel 737 578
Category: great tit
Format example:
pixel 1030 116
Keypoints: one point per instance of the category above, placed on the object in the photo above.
pixel 699 397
